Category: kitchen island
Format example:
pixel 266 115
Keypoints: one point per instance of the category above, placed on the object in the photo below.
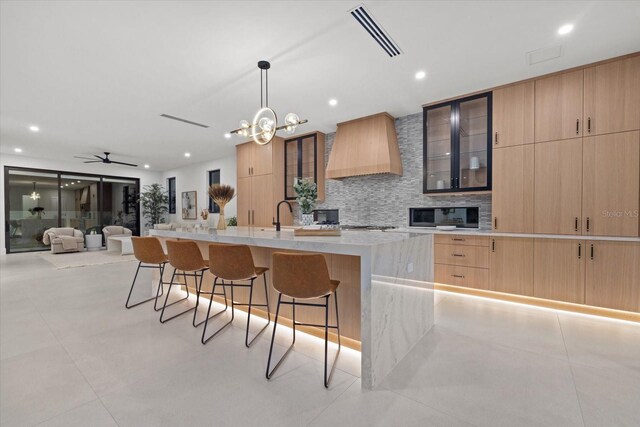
pixel 386 290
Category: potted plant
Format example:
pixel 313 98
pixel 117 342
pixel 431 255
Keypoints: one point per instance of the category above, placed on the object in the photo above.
pixel 306 196
pixel 155 204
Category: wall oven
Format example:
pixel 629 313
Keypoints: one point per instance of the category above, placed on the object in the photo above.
pixel 461 217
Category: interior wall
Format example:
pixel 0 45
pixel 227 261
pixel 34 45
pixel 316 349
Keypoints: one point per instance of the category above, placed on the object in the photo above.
pixel 146 177
pixel 196 177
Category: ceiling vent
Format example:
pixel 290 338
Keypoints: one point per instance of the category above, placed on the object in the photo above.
pixel 167 116
pixel 543 55
pixel 375 30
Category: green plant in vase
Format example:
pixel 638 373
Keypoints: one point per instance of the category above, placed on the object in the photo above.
pixel 155 204
pixel 306 197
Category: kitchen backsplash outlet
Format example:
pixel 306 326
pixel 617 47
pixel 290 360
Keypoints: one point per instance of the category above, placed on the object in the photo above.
pixel 385 199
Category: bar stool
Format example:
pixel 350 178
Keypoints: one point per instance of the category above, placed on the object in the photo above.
pixel 148 251
pixel 304 276
pixel 184 255
pixel 232 263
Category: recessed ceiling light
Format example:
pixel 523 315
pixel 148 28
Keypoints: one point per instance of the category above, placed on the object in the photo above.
pixel 62 186
pixel 34 128
pixel 565 29
pixel 421 75
pixel 333 102
pixel 446 154
pixel 227 135
pixel 146 166
pixel 187 154
pixel 18 150
pixel 66 185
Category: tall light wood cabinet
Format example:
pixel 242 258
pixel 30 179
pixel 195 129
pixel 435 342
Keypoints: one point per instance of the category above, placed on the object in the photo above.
pixel 253 159
pixel 513 115
pixel 512 200
pixel 559 270
pixel 558 106
pixel 558 187
pixel 611 184
pixel 612 97
pixel 243 191
pixel 613 275
pixel 511 265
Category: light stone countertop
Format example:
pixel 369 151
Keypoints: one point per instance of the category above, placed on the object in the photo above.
pixel 489 233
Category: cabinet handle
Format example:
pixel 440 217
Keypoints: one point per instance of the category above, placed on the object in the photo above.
pixel 459 255
pixel 588 224
pixel 495 222
pixel 592 251
pixel 459 276
pixel 589 125
pixel 458 239
pixel 249 216
pixel 493 245
pixel 579 250
pixel 577 126
pixel 496 138
pixel 253 217
pixel 576 224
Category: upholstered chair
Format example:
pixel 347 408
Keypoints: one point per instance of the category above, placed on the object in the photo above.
pixel 114 231
pixel 64 239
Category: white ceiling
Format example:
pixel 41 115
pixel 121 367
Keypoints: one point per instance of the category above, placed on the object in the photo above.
pixel 95 76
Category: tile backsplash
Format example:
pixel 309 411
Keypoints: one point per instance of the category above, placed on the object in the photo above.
pixel 385 199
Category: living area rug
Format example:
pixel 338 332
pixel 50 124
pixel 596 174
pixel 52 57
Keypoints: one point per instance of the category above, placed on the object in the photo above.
pixel 82 259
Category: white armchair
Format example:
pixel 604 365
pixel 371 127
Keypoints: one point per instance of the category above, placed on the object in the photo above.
pixel 64 239
pixel 114 231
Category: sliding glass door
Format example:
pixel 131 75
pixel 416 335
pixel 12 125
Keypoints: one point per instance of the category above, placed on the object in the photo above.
pixel 36 200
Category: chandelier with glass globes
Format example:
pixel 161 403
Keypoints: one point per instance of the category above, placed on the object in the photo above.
pixel 264 126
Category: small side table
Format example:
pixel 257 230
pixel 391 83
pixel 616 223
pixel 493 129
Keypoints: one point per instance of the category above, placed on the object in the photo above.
pixel 93 242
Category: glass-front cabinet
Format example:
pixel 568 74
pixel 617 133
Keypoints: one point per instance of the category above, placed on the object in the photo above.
pixel 457 145
pixel 300 161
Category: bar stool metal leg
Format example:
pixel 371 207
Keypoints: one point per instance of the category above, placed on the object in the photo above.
pixel 206 322
pixel 175 302
pixel 273 338
pixel 248 343
pixel 160 290
pixel 135 277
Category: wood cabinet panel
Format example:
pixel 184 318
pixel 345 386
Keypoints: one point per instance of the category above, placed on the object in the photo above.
pixel 613 275
pixel 511 265
pixel 470 256
pixel 611 184
pixel 558 106
pixel 465 240
pixel 558 187
pixel 262 159
pixel 244 201
pixel 512 199
pixel 468 277
pixel 612 97
pixel 513 122
pixel 559 270
pixel 262 203
pixel 244 159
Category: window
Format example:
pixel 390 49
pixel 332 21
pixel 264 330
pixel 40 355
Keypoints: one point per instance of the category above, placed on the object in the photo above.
pixel 171 184
pixel 214 178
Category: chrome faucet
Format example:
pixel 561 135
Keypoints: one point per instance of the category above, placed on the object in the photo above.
pixel 277 222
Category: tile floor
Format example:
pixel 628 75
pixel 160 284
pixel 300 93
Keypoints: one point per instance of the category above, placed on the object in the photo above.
pixel 71 355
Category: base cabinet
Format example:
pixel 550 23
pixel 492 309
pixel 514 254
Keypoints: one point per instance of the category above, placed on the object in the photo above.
pixel 511 265
pixel 613 275
pixel 558 270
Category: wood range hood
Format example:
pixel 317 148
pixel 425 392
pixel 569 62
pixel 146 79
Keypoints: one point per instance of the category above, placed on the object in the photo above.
pixel 365 146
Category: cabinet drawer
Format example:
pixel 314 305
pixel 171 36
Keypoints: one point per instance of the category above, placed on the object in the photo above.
pixel 460 239
pixel 469 277
pixel 469 256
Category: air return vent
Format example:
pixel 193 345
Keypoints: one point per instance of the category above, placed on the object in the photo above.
pixel 375 30
pixel 167 116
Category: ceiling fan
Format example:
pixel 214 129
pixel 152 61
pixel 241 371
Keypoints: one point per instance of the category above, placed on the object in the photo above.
pixel 104 159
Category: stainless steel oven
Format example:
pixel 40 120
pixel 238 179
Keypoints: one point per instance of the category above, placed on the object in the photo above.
pixel 461 217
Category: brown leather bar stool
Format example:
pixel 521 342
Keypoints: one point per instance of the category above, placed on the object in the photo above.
pixel 233 263
pixel 185 256
pixel 148 251
pixel 304 276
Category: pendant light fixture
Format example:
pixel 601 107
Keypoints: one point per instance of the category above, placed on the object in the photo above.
pixel 34 195
pixel 265 122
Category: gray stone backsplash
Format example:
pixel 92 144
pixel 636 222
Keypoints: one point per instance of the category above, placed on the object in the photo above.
pixel 385 199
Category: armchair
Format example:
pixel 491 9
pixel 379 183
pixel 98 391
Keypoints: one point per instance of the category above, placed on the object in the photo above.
pixel 64 239
pixel 115 231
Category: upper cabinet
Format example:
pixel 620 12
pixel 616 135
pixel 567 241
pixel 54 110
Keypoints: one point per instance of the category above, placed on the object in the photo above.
pixel 304 158
pixel 558 106
pixel 254 159
pixel 612 97
pixel 513 115
pixel 457 145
